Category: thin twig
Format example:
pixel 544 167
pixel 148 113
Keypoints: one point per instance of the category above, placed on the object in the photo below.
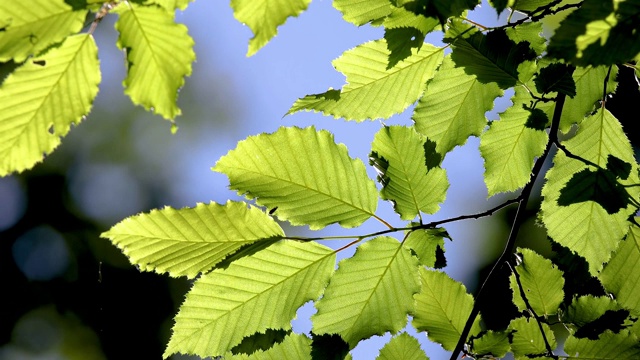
pixel 517 223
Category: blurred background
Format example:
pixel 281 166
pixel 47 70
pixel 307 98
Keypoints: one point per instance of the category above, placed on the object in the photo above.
pixel 69 294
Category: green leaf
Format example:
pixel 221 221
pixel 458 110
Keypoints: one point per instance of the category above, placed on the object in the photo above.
pixel 305 174
pixel 586 309
pixel 442 308
pixel 159 55
pixel 509 147
pixel 29 27
pixel 410 184
pixel 530 32
pixel 444 9
pixel 42 98
pixel 402 347
pixel 494 344
pixel 255 293
pixel 373 91
pixel 264 16
pixel 260 341
pixel 370 293
pixel 589 83
pixel 170 5
pixel 500 5
pixel 190 241
pixel 598 33
pixel 428 245
pixel 526 338
pixel 586 227
pixel 329 347
pixel 541 281
pixel 453 107
pixel 600 186
pixel 621 275
pixel 401 17
pixel 492 57
pixel 556 77
pixel 360 12
pixel 401 41
pixel 530 5
pixel 609 346
pixel 293 347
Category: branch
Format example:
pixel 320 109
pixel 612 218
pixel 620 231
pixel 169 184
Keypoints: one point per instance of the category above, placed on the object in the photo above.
pixel 517 223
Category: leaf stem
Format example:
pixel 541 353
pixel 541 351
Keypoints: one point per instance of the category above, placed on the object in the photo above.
pixel 517 223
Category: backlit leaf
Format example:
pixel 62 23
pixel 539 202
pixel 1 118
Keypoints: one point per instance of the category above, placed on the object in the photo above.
pixel 609 346
pixel 453 107
pixel 171 5
pixel 264 16
pixel 159 55
pixel 371 91
pixel 403 346
pixel 187 242
pixel 255 293
pixel 621 275
pixel 442 308
pixel 42 98
pixel 370 293
pixel 509 147
pixel 305 174
pixel 586 227
pixel 530 32
pixel 526 338
pixel 492 57
pixel 541 281
pixel 29 27
pixel 428 245
pixel 410 184
pixel 293 347
pixel 360 12
pixel 495 344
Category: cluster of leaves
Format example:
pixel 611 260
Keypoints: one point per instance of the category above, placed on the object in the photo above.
pixel 252 277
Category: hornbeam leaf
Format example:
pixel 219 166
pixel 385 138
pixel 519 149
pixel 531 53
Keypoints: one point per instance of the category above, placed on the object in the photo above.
pixel 292 347
pixel 403 346
pixel 373 91
pixel 159 54
pixel 526 338
pixel 260 341
pixel 305 174
pixel 171 5
pixel 42 98
pixel 28 27
pixel 510 146
pixel 621 275
pixel 190 241
pixel 589 83
pixel 428 245
pixel 556 77
pixel 609 346
pixel 492 343
pixel 370 293
pixel 410 185
pixel 588 316
pixel 542 283
pixel 360 12
pixel 264 16
pixel 253 294
pixel 530 32
pixel 586 227
pixel 453 107
pixel 491 58
pixel 442 308
pixel 530 5
pixel 500 5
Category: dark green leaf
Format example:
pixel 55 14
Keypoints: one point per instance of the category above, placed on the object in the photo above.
pixel 260 341
pixel 556 78
pixel 500 5
pixel 537 119
pixel 618 167
pixel 328 347
pixel 600 186
pixel 441 9
pixel 400 41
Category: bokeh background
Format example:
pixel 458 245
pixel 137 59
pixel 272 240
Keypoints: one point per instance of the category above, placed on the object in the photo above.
pixel 69 294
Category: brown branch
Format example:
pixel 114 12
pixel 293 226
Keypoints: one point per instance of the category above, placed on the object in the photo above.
pixel 517 223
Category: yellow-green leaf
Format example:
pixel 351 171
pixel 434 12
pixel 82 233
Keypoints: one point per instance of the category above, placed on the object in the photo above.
pixel 264 16
pixel 402 347
pixel 621 275
pixel 159 54
pixel 305 174
pixel 187 242
pixel 370 293
pixel 29 26
pixel 42 98
pixel 255 293
pixel 373 91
